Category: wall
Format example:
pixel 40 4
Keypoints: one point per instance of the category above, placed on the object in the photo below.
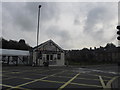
pixel 61 61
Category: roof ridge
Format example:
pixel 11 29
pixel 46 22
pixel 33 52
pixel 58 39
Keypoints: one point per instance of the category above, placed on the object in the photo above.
pixel 49 41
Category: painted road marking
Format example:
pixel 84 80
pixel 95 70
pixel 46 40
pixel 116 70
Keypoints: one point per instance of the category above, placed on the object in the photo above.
pixel 79 78
pixel 55 82
pixel 99 75
pixel 68 81
pixel 52 81
pixel 65 82
pixel 90 79
pixel 15 72
pixel 6 85
pixel 23 71
pixel 38 79
pixel 43 71
pixel 35 80
pixel 102 82
pixel 108 85
pixel 13 87
pixel 31 73
pixel 80 84
pixel 62 82
pixel 85 84
pixel 46 76
pixel 10 77
pixel 97 70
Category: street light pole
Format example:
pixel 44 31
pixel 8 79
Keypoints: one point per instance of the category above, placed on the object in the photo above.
pixel 38 33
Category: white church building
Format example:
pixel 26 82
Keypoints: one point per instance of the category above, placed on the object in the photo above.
pixel 48 52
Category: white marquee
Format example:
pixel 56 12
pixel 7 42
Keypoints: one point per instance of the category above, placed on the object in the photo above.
pixel 11 52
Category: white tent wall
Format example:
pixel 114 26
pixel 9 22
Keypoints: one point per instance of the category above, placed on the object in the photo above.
pixel 22 57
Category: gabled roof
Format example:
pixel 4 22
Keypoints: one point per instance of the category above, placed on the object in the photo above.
pixel 49 41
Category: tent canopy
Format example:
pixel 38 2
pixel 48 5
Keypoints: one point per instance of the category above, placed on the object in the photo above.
pixel 11 52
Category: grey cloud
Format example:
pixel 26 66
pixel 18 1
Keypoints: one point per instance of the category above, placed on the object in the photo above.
pixel 48 10
pixel 24 15
pixel 76 21
pixel 119 13
pixel 94 17
pixel 98 15
pixel 19 16
pixel 54 32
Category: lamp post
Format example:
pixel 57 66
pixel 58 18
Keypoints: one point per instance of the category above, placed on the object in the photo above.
pixel 38 33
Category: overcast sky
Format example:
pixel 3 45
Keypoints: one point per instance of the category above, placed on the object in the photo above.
pixel 72 25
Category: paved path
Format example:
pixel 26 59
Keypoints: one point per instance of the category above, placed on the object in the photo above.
pixel 27 77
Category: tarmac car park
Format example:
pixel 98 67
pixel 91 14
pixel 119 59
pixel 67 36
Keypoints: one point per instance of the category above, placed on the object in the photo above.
pixel 27 77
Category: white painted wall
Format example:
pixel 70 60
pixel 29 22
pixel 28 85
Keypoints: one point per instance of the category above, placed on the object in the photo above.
pixel 43 57
pixel 61 61
pixel 50 46
pixel 34 57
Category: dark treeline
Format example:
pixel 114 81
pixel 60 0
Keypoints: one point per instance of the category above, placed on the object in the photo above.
pixel 12 44
pixel 108 54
